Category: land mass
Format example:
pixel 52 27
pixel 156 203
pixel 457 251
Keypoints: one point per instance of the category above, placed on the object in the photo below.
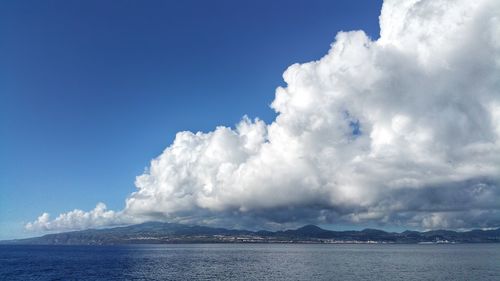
pixel 165 233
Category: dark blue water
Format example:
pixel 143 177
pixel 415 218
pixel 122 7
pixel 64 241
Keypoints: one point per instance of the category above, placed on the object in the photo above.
pixel 252 262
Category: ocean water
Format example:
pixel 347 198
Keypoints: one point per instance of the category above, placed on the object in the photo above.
pixel 476 262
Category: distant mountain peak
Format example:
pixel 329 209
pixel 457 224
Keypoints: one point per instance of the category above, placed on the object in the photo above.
pixel 372 230
pixel 310 228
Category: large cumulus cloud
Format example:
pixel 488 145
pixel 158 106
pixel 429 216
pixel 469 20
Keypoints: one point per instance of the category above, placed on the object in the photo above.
pixel 402 130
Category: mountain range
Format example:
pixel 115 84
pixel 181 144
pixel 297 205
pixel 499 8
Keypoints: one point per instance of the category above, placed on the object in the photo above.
pixel 164 233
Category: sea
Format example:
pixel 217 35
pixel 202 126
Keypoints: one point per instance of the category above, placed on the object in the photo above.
pixel 476 262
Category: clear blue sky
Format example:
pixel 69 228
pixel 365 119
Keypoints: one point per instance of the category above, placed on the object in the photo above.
pixel 91 91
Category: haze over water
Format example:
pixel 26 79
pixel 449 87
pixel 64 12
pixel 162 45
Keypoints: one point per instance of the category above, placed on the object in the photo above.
pixel 477 262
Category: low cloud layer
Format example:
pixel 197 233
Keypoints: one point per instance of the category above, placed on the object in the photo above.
pixel 401 131
pixel 78 219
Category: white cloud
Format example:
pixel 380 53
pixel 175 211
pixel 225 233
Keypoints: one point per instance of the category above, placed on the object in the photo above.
pixel 78 219
pixel 402 130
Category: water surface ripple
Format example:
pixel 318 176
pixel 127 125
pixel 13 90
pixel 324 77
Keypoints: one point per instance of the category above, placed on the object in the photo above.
pixel 477 262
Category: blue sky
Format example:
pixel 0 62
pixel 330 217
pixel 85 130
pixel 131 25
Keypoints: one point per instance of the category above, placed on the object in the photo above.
pixel 91 91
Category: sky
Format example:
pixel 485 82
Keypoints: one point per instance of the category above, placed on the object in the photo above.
pixel 345 114
pixel 91 91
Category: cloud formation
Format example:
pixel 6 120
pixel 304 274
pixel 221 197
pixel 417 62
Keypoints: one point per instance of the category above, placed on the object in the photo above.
pixel 78 219
pixel 402 130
